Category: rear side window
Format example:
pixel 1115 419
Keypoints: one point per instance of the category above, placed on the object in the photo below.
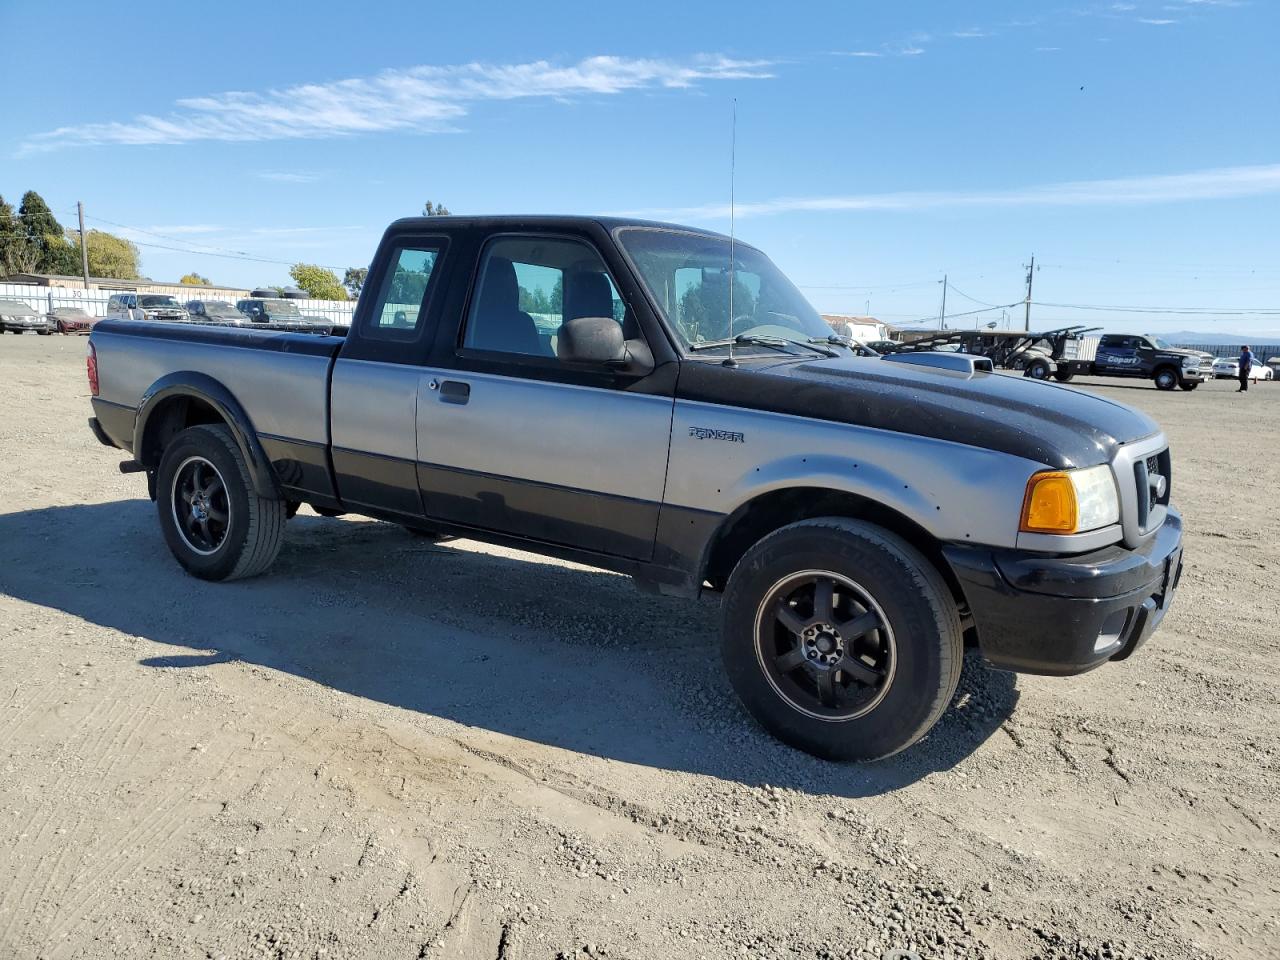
pixel 400 310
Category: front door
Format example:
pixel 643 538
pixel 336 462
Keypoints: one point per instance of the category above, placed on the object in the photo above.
pixel 512 440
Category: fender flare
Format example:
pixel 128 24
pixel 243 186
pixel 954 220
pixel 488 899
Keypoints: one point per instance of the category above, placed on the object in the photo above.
pixel 191 384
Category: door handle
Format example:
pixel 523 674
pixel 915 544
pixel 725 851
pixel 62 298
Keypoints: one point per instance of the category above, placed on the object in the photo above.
pixel 455 391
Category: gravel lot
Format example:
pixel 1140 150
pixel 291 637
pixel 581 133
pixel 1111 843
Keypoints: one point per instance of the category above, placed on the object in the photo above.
pixel 388 749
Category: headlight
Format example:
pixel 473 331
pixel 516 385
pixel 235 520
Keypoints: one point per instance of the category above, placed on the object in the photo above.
pixel 1191 361
pixel 1070 501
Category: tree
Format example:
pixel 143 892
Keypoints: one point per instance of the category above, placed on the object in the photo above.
pixel 704 309
pixel 109 256
pixel 54 253
pixel 430 209
pixel 11 232
pixel 195 280
pixel 319 283
pixel 354 279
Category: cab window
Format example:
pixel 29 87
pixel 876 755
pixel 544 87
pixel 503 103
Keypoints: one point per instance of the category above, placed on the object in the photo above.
pixel 528 287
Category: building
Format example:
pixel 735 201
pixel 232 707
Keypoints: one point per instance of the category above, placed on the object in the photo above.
pixel 862 329
pixel 180 291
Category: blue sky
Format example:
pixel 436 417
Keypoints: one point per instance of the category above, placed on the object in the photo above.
pixel 1133 147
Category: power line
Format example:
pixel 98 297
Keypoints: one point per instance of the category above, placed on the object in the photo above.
pixel 1190 311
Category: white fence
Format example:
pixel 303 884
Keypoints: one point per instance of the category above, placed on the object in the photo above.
pixel 94 302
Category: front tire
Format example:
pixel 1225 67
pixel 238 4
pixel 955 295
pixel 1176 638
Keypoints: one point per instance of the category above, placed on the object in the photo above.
pixel 1166 379
pixel 841 639
pixel 213 520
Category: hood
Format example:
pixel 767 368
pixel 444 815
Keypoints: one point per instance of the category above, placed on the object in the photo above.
pixel 1045 422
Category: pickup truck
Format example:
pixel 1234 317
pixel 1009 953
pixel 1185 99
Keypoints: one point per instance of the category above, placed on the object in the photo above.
pixel 662 402
pixel 1124 355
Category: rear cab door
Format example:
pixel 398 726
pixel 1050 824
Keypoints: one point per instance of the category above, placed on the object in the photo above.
pixel 374 390
pixel 1118 355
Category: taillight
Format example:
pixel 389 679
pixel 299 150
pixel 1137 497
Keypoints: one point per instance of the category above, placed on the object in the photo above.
pixel 91 362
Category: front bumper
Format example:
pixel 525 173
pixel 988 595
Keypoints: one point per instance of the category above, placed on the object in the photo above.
pixel 22 325
pixel 1036 613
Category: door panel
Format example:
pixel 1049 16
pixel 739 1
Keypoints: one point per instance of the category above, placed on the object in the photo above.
pixel 372 412
pixel 557 462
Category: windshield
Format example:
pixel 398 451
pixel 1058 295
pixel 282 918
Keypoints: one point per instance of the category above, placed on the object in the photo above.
pixel 688 275
pixel 281 308
pixel 69 312
pixel 14 308
pixel 1161 344
pixel 158 302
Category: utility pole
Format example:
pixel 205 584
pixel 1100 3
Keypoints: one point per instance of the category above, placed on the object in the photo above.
pixel 943 316
pixel 1031 272
pixel 84 247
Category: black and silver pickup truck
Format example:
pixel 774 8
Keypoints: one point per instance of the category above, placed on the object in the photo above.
pixel 661 401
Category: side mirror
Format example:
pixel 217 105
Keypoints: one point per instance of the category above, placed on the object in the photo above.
pixel 596 340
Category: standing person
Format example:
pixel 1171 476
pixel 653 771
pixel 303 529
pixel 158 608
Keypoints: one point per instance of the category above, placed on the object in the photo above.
pixel 1246 364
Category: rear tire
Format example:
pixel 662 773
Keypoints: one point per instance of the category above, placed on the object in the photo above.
pixel 1166 378
pixel 1038 370
pixel 841 639
pixel 1063 375
pixel 213 520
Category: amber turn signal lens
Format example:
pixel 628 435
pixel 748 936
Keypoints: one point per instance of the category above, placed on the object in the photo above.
pixel 1050 504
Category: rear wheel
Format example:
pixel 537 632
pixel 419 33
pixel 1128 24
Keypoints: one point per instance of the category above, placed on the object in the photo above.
pixel 841 639
pixel 1063 375
pixel 1038 370
pixel 1166 378
pixel 213 520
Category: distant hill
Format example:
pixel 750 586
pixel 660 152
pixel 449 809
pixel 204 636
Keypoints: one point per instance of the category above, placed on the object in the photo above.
pixel 1191 336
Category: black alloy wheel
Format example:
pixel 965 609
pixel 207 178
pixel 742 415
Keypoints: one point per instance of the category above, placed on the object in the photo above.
pixel 824 645
pixel 201 507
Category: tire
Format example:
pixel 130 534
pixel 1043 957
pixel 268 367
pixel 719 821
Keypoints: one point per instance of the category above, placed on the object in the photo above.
pixel 43 333
pixel 1038 370
pixel 911 657
pixel 1189 384
pixel 1063 375
pixel 202 473
pixel 1166 378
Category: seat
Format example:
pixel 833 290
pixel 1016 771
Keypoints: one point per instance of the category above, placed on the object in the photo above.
pixel 498 323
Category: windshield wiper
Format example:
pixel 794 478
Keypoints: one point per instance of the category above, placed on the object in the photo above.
pixel 774 343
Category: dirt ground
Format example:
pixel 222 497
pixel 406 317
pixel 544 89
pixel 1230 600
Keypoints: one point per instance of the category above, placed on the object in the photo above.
pixel 390 749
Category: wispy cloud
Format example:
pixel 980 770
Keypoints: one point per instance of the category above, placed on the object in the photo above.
pixel 1156 21
pixel 424 99
pixel 973 33
pixel 289 176
pixel 1220 184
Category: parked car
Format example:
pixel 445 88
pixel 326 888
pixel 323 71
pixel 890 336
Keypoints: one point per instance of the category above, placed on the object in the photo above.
pixel 19 317
pixel 215 311
pixel 269 309
pixel 71 320
pixel 1274 365
pixel 885 346
pixel 859 515
pixel 145 306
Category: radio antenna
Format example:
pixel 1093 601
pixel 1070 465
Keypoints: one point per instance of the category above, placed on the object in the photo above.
pixel 733 158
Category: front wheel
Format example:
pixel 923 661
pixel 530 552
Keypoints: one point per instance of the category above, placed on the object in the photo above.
pixel 841 639
pixel 1166 379
pixel 215 523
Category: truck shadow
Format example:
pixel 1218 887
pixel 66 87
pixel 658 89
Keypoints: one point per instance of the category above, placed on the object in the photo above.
pixel 565 656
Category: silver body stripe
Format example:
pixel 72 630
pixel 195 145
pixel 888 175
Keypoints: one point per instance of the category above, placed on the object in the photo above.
pixel 956 492
pixel 587 438
pixel 283 393
pixel 374 407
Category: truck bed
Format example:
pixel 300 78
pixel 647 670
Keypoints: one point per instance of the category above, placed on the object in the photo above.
pixel 281 377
